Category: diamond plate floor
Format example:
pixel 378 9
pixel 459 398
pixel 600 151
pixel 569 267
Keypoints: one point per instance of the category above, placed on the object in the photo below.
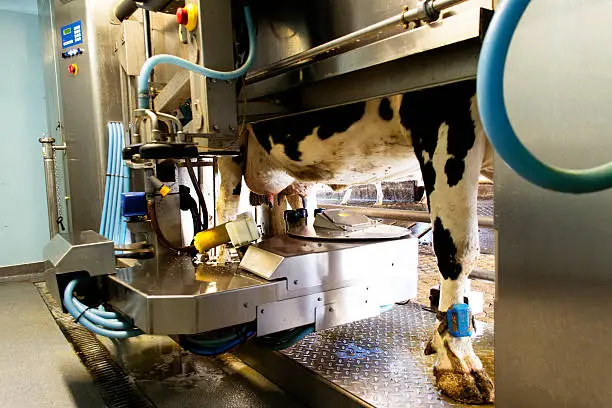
pixel 381 360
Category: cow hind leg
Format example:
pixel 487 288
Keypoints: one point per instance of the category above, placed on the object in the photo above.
pixel 451 182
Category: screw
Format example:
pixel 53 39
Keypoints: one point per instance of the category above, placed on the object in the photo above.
pixel 295 282
pixel 262 311
pixel 245 305
pixel 216 127
pixel 331 309
pixel 319 299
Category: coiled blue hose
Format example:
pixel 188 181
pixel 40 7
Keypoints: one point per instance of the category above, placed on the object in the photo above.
pixel 145 71
pixel 84 319
pixel 490 92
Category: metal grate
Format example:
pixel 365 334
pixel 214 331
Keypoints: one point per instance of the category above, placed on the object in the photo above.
pixel 116 388
pixel 381 359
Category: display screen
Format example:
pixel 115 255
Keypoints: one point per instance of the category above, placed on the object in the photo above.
pixel 67 31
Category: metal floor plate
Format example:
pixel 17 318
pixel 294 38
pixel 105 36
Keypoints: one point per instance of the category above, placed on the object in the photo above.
pixel 381 360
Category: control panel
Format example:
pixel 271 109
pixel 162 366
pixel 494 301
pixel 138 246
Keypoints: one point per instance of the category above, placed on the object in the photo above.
pixel 72 34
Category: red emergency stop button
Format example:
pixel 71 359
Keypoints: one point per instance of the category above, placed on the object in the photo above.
pixel 182 16
pixel 73 69
pixel 188 16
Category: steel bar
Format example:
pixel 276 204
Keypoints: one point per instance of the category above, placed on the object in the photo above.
pixel 403 215
pixel 482 274
pixel 50 183
pixel 359 38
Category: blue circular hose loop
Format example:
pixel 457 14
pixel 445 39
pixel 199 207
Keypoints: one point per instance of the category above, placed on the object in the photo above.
pixel 101 313
pixel 490 93
pixel 107 323
pixel 74 312
pixel 145 71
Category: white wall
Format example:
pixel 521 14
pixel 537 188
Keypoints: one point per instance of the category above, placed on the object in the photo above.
pixel 23 216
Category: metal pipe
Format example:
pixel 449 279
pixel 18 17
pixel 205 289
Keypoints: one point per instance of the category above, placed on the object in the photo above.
pixel 146 25
pixel 124 9
pixel 50 183
pixel 403 215
pixel 482 274
pixel 428 11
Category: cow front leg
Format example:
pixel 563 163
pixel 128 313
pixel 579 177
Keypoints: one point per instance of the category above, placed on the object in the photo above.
pixel 451 184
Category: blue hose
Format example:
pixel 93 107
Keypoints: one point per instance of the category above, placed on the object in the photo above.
pixel 118 186
pixel 70 306
pixel 102 313
pixel 95 318
pixel 125 181
pixel 105 219
pixel 113 181
pixel 145 72
pixel 203 350
pixel 490 92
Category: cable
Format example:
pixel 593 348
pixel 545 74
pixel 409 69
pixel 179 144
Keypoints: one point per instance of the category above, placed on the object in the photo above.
pixel 199 193
pixel 490 93
pixel 147 68
pixel 70 306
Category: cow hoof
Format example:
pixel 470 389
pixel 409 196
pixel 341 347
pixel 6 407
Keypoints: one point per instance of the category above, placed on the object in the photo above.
pixel 458 370
pixel 474 387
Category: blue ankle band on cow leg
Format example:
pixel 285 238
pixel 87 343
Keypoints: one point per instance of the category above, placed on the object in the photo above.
pixel 459 320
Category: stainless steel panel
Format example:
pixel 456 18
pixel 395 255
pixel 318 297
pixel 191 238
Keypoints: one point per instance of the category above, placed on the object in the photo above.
pixel 131 47
pixel 286 28
pixel 168 295
pixel 553 267
pixel 465 25
pixel 213 102
pixel 286 314
pixel 344 311
pixel 328 264
pixel 80 251
pixel 89 100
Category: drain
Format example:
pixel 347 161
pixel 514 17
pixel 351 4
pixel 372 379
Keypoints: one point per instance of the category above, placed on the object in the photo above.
pixel 115 387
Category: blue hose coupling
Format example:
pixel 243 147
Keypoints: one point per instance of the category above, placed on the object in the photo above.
pixel 459 319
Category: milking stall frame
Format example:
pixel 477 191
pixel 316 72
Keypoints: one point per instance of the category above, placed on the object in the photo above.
pixel 172 291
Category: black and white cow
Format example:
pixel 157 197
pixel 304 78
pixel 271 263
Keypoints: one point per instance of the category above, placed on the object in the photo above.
pixel 436 131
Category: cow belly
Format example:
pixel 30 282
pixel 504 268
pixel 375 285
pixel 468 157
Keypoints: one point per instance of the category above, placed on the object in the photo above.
pixel 365 153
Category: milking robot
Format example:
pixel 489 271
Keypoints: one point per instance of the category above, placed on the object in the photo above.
pixel 153 92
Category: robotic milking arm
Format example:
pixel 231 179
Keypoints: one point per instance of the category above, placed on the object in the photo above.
pixel 304 282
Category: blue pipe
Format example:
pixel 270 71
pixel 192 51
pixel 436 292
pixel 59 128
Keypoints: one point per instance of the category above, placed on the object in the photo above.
pixel 125 237
pixel 107 323
pixel 101 313
pixel 113 181
pixel 74 312
pixel 201 349
pixel 145 72
pixel 118 186
pixel 490 93
pixel 104 221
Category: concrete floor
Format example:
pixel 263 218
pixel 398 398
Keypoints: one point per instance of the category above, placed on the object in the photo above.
pixel 38 366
